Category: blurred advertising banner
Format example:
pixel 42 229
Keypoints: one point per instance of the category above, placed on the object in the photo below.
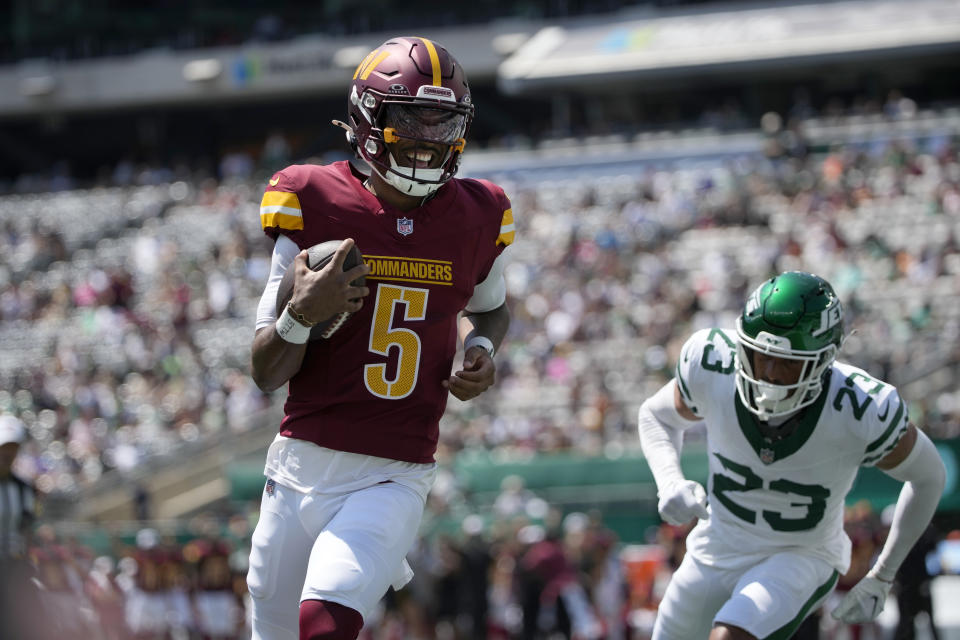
pixel 661 44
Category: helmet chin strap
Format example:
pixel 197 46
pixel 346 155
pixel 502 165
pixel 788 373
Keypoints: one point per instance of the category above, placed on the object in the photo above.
pixel 404 182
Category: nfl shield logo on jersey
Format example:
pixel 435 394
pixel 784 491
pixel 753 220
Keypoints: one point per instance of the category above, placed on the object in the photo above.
pixel 404 226
pixel 271 487
pixel 767 456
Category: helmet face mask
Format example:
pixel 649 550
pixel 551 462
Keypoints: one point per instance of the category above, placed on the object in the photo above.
pixel 409 100
pixel 424 124
pixel 796 317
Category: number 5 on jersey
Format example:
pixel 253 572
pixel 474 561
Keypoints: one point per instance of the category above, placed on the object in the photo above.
pixel 383 336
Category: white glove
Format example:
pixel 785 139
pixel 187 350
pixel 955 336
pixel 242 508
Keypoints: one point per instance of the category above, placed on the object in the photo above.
pixel 683 501
pixel 864 602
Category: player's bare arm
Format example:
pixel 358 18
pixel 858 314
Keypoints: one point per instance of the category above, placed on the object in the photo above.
pixel 317 296
pixel 479 371
pixel 730 632
pixel 901 451
pixel 681 406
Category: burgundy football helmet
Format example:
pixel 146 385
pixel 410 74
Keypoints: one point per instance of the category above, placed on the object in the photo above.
pixel 410 91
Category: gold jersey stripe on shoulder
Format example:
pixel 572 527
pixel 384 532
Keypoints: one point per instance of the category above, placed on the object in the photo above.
pixel 280 209
pixel 507 229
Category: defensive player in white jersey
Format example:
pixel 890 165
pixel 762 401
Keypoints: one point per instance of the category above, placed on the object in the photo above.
pixel 787 429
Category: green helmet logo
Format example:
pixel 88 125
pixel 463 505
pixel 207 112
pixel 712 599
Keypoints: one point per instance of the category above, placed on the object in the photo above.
pixel 795 316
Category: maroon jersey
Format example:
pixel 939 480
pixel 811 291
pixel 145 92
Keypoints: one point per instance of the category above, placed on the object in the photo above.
pixel 375 387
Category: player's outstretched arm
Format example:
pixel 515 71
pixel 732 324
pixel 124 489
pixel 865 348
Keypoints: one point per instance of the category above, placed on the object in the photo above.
pixel 916 463
pixel 661 421
pixel 482 333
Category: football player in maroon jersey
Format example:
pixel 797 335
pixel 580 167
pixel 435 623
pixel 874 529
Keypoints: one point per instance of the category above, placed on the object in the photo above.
pixel 349 472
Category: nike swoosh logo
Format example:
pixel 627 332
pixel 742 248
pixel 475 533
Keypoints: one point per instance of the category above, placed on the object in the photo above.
pixel 274 181
pixel 886 411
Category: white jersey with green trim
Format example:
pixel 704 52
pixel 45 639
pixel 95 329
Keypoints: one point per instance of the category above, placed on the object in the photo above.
pixel 778 489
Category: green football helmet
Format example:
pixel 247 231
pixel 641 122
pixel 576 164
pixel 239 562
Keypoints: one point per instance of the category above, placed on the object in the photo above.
pixel 795 316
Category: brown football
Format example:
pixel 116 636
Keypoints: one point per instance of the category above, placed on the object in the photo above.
pixel 317 258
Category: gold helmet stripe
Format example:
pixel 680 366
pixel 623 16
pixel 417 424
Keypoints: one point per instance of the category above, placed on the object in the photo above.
pixel 373 65
pixel 434 61
pixel 363 63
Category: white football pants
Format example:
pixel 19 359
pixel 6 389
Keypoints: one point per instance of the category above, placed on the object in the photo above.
pixel 767 599
pixel 345 547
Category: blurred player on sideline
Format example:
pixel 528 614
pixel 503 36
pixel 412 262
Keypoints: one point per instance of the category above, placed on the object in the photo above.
pixel 21 610
pixel 787 429
pixel 349 472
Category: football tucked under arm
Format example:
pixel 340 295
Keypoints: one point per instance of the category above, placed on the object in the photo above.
pixel 318 256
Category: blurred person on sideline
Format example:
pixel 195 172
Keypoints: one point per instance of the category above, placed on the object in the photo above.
pixel 913 587
pixel 21 609
pixel 143 582
pixel 217 611
pixel 787 429
pixel 864 529
pixel 349 472
pixel 554 600
pixel 105 596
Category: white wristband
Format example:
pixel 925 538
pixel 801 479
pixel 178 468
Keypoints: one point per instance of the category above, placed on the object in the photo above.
pixel 480 341
pixel 290 330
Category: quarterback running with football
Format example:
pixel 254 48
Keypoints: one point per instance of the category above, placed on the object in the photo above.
pixel 349 472
pixel 787 429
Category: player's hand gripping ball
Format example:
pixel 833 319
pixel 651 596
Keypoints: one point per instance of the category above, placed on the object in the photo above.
pixel 318 256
